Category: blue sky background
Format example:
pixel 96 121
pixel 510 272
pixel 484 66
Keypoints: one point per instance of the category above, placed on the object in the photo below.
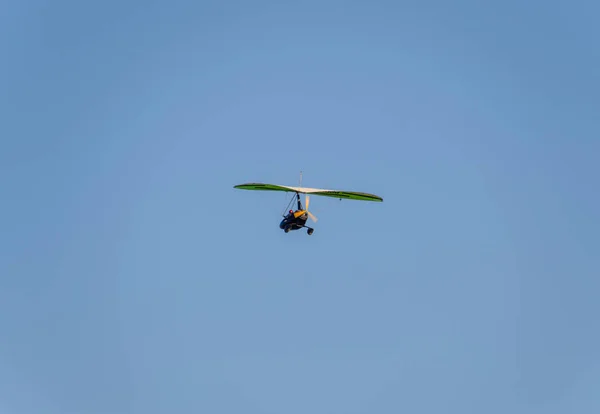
pixel 135 279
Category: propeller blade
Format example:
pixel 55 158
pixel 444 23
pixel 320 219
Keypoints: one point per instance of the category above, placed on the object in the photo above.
pixel 311 215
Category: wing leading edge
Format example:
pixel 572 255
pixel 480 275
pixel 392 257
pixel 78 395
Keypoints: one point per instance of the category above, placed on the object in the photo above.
pixel 352 195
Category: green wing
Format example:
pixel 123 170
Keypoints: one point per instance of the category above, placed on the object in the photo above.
pixel 352 195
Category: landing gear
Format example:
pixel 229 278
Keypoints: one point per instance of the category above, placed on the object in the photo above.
pixel 287 229
pixel 310 231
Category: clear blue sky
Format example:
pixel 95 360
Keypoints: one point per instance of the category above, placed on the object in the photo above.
pixel 135 279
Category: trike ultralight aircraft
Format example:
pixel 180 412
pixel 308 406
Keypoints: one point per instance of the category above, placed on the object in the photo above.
pixel 296 220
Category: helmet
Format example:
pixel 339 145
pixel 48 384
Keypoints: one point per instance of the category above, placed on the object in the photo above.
pixel 291 211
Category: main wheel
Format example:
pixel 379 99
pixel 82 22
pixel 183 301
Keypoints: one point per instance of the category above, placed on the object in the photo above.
pixel 310 231
pixel 287 230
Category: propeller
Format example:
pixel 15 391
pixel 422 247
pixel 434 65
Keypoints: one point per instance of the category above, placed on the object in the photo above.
pixel 308 212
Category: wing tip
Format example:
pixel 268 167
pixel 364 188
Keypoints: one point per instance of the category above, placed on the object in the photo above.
pixel 247 185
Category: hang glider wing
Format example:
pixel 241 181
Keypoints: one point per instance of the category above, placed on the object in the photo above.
pixel 352 195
